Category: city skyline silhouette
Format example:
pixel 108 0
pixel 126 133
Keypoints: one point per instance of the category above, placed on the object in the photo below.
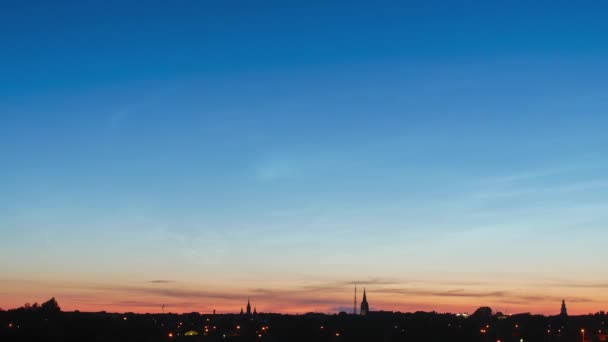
pixel 181 157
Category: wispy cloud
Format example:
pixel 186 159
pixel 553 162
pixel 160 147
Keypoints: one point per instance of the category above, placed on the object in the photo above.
pixel 521 191
pixel 324 296
pixel 161 281
pixel 521 176
pixel 173 292
pixel 588 285
pixel 275 170
pixel 463 293
pixel 151 304
pixel 342 285
pixel 297 164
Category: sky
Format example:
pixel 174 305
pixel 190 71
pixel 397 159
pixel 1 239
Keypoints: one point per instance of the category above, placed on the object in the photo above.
pixel 443 155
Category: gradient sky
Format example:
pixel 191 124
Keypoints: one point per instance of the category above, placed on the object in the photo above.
pixel 445 156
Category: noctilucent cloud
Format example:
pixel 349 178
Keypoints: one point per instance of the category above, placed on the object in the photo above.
pixel 444 156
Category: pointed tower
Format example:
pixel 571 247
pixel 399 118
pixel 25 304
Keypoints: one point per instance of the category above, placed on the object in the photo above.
pixel 564 312
pixel 364 306
pixel 241 310
pixel 255 311
pixel 248 307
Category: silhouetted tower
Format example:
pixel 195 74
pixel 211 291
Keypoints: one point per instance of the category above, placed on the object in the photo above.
pixel 364 306
pixel 248 307
pixel 564 312
pixel 241 310
pixel 255 311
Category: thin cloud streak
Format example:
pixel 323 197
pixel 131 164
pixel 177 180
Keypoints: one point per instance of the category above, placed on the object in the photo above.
pixel 301 295
pixel 526 191
pixel 386 294
pixel 528 175
pixel 161 281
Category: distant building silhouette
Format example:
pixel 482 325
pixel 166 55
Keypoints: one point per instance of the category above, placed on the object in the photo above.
pixel 364 306
pixel 564 312
pixel 248 307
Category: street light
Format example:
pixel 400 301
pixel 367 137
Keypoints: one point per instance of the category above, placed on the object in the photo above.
pixel 583 332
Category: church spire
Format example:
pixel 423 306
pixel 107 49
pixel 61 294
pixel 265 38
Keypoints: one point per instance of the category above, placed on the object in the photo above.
pixel 564 311
pixel 364 306
pixel 248 307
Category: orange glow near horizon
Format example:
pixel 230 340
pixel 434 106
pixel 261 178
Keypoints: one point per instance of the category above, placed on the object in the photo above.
pixel 183 299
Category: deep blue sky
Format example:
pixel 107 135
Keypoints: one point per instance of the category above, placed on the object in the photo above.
pixel 325 141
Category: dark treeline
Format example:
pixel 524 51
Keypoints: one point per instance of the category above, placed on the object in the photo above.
pixel 46 322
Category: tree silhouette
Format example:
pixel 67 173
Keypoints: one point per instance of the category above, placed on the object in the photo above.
pixel 50 306
pixel 483 312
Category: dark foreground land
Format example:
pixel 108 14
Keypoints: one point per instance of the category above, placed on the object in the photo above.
pixel 44 325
